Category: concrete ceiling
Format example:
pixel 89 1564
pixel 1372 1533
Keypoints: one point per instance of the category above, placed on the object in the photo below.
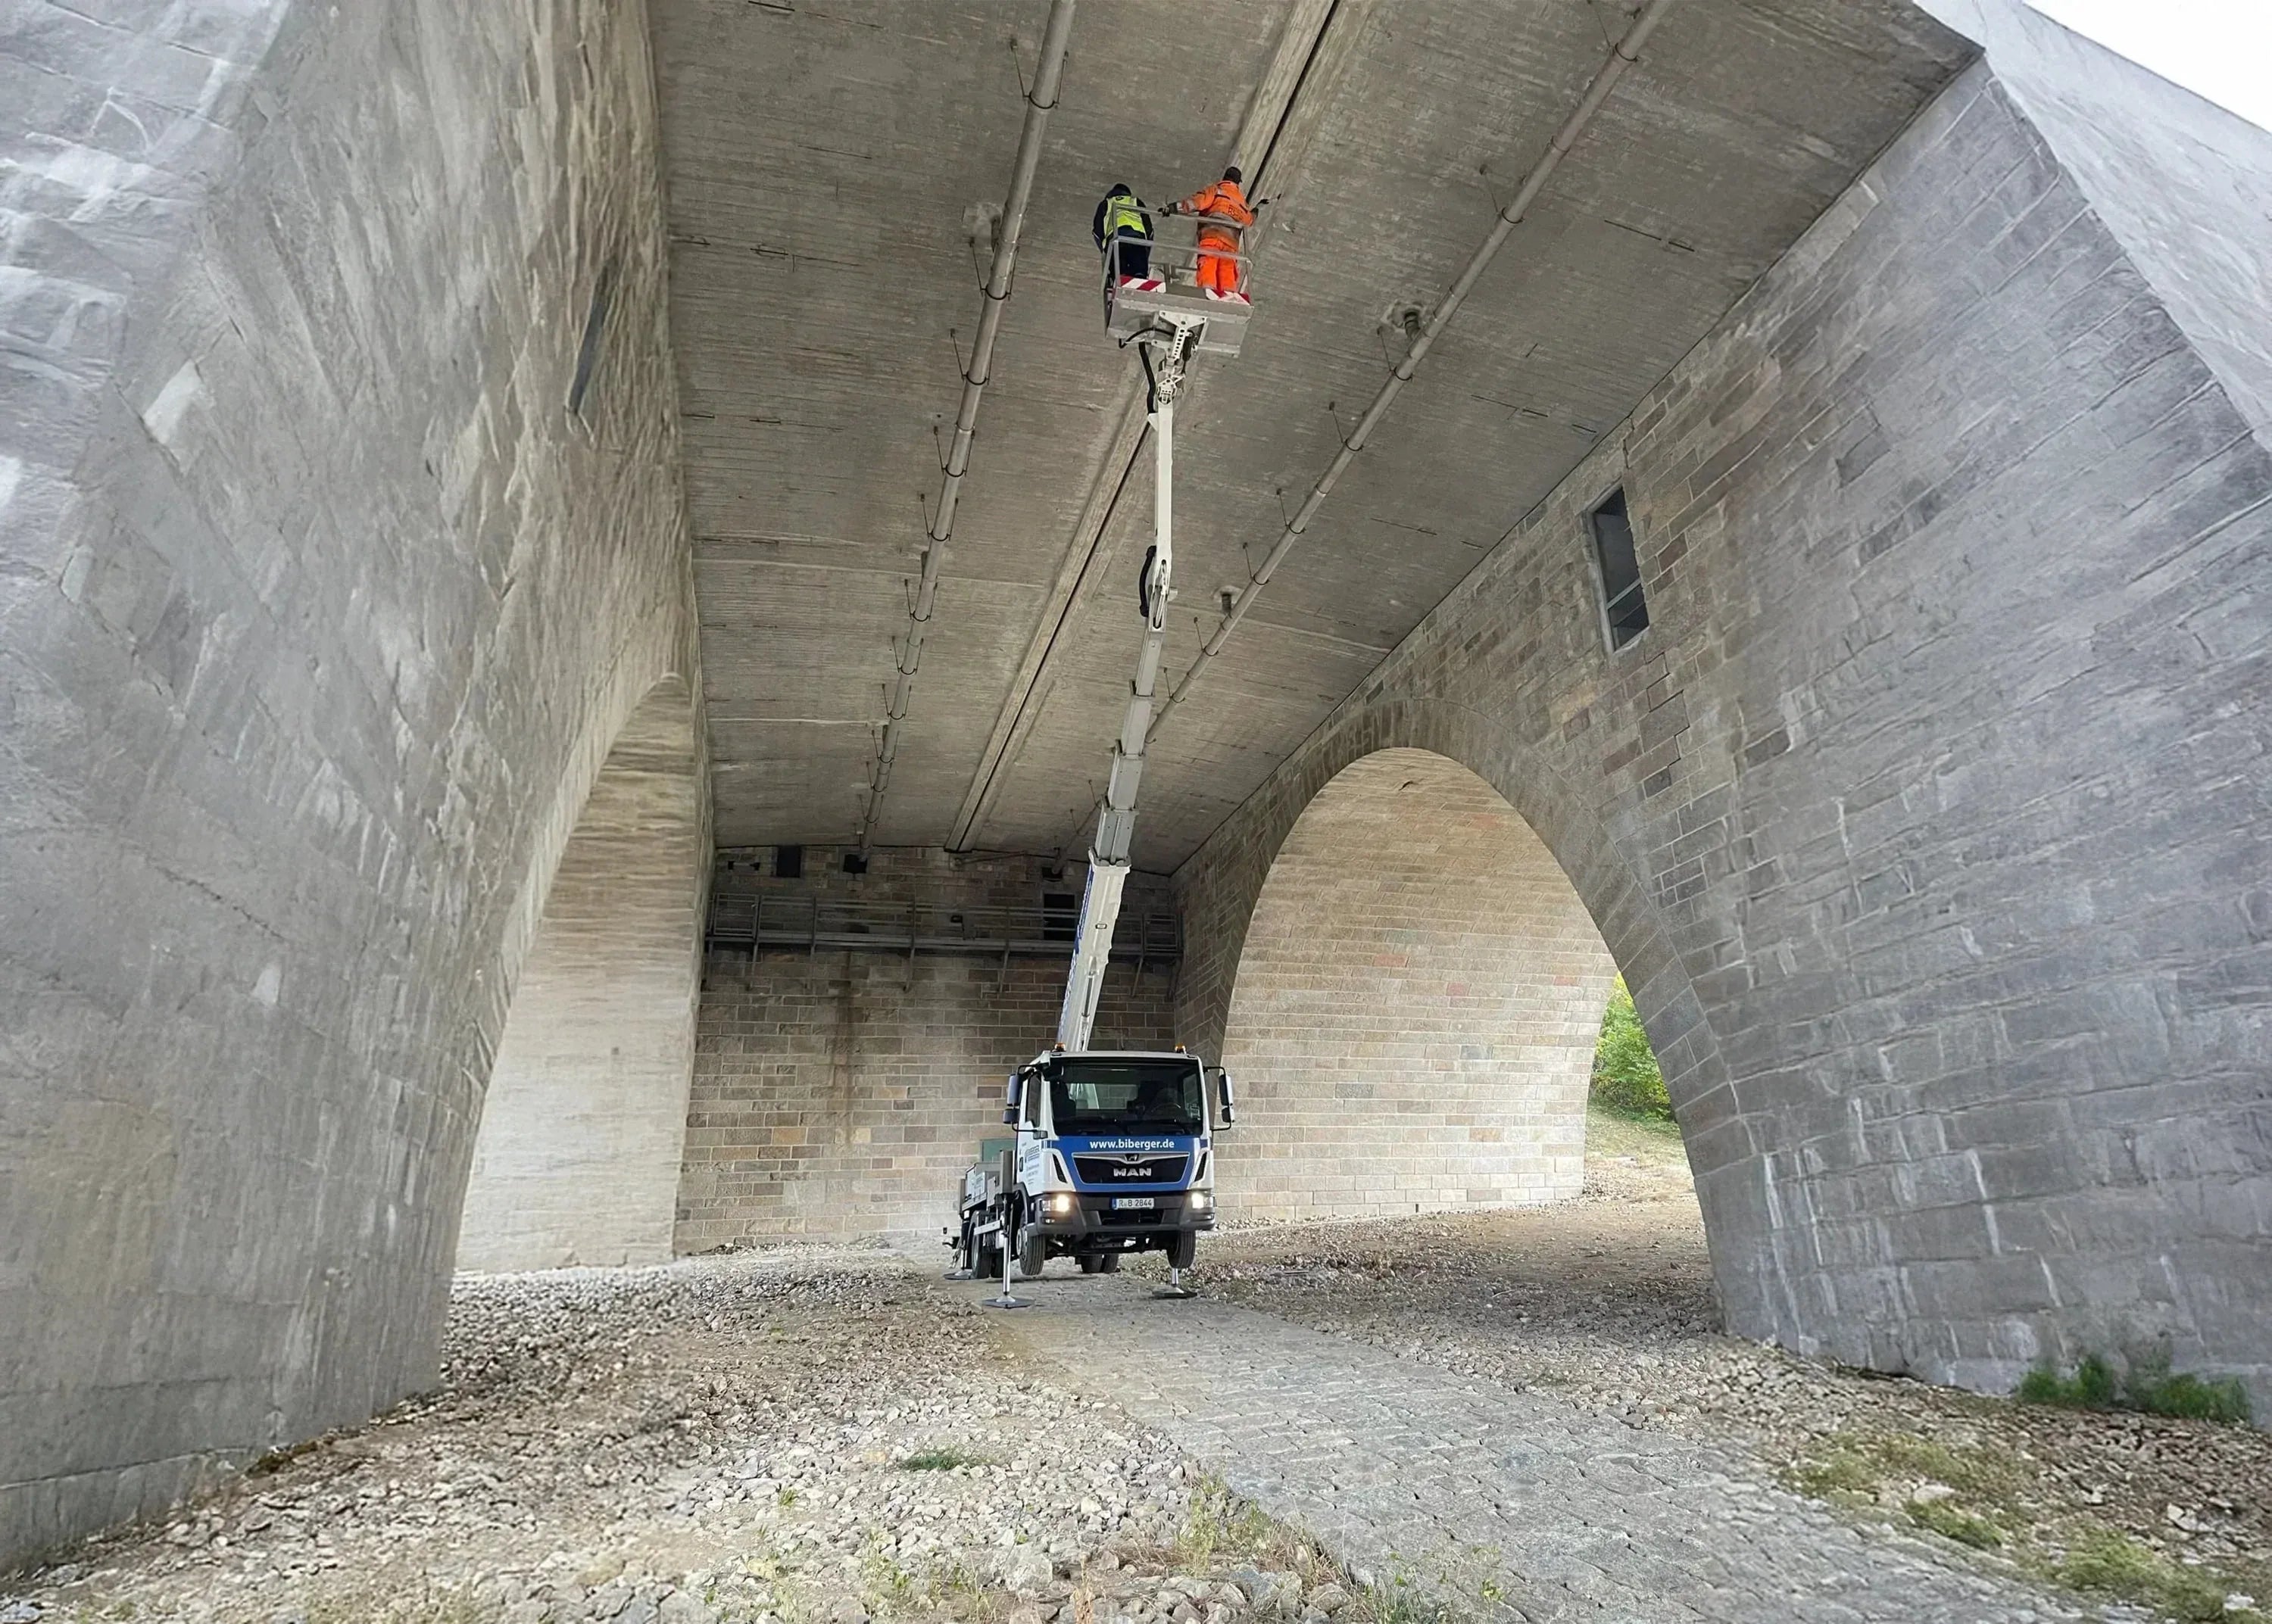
pixel 822 158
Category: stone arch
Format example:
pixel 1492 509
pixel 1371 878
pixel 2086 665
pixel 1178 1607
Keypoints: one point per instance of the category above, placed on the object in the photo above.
pixel 1413 1017
pixel 1219 886
pixel 1218 890
pixel 583 1125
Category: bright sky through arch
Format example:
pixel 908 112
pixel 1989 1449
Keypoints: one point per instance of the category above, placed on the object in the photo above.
pixel 2218 49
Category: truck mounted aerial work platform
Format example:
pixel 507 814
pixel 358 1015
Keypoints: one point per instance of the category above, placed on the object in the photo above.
pixel 1112 1151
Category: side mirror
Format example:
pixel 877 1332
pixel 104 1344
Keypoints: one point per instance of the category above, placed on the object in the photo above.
pixel 1011 1099
pixel 1229 1102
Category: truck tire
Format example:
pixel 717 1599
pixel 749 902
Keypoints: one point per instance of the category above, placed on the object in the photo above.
pixel 1100 1262
pixel 1183 1247
pixel 1033 1252
pixel 986 1261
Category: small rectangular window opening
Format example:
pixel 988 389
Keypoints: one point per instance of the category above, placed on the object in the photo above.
pixel 1060 916
pixel 855 863
pixel 788 862
pixel 1623 607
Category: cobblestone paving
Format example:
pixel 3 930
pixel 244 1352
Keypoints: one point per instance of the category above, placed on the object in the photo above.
pixel 1507 1502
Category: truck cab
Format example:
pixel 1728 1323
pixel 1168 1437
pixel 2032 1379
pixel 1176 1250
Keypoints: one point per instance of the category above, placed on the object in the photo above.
pixel 1112 1151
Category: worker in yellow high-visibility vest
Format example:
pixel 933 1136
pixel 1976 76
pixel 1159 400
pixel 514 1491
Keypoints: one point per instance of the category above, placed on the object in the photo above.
pixel 1121 221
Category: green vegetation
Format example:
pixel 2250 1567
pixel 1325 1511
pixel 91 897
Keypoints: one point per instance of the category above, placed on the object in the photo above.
pixel 1626 1080
pixel 1952 1522
pixel 1224 1531
pixel 1862 1463
pixel 2147 1387
pixel 942 1460
pixel 1399 1600
pixel 1646 1139
pixel 1993 1477
pixel 1989 1498
pixel 2091 1387
pixel 2105 1563
pixel 1223 1525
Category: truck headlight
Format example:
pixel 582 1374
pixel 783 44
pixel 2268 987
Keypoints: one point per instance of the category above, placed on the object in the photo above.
pixel 1202 1200
pixel 1061 1205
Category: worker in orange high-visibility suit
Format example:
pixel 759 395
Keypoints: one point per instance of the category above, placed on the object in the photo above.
pixel 1223 216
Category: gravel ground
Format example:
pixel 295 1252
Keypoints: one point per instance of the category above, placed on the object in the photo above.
pixel 797 1436
pixel 1608 1303
pixel 826 1436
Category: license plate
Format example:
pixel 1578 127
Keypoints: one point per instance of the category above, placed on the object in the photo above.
pixel 1134 1203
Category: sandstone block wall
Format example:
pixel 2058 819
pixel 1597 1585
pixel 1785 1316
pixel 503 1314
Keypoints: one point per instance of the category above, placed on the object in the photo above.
pixel 841 1093
pixel 1419 995
pixel 1927 819
pixel 584 1122
pixel 318 613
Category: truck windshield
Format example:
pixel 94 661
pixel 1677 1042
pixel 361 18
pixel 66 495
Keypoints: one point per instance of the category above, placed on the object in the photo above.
pixel 1126 1096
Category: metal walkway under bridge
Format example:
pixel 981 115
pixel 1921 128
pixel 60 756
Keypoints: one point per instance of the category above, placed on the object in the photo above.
pixel 763 921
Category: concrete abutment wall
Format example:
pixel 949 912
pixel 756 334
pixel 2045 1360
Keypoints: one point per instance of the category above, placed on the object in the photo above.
pixel 1927 820
pixel 840 1092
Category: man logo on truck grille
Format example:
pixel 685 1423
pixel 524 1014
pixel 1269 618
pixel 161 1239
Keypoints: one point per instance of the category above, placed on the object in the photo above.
pixel 1131 1169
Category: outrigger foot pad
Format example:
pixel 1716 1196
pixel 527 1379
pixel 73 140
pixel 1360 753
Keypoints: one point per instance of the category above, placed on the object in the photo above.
pixel 1003 1299
pixel 1175 1287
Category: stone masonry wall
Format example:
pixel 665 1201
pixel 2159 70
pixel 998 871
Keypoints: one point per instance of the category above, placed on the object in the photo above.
pixel 584 1122
pixel 841 1093
pixel 318 613
pixel 1928 819
pixel 1419 996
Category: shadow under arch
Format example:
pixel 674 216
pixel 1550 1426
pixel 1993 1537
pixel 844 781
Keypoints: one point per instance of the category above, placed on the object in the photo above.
pixel 583 1124
pixel 1220 886
pixel 1413 1019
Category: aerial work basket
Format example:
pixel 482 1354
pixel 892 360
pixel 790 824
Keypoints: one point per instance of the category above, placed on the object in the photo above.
pixel 1148 282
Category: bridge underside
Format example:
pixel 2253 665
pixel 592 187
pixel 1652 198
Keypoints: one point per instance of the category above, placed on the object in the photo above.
pixel 458 459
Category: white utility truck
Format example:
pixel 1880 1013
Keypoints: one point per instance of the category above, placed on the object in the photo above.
pixel 1113 1152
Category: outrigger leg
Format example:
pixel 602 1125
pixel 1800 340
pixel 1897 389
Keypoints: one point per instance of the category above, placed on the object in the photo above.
pixel 1003 1299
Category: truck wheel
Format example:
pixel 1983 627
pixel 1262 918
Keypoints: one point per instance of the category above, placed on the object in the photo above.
pixel 1183 1247
pixel 986 1259
pixel 1033 1252
pixel 1109 1264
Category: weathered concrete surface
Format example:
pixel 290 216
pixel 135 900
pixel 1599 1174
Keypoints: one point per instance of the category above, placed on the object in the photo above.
pixel 317 614
pixel 1929 819
pixel 823 163
pixel 841 1094
pixel 584 1122
pixel 1419 997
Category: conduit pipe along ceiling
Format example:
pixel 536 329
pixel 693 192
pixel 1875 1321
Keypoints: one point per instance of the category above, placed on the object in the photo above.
pixel 1040 100
pixel 815 216
pixel 1308 25
pixel 1622 56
